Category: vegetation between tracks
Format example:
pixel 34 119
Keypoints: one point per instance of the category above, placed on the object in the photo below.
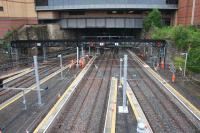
pixel 184 39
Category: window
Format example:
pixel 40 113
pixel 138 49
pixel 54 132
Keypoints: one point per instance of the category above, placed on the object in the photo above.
pixel 41 2
pixel 115 12
pixel 76 13
pixel 171 1
pixel 1 8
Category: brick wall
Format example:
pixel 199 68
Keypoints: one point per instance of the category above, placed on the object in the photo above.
pixel 184 12
pixel 14 23
pixel 197 13
pixel 16 13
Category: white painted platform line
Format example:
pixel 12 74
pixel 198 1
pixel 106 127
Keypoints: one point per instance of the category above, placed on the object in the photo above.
pixel 137 110
pixel 110 121
pixel 33 87
pixel 49 118
pixel 187 104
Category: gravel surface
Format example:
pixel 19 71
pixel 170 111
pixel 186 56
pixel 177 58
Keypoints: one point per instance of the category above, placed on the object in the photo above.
pixel 188 88
pixel 14 119
pixel 86 109
pixel 29 79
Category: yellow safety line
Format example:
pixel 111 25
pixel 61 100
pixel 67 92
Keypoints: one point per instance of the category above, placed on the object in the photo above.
pixel 137 110
pixel 133 106
pixel 53 113
pixel 19 95
pixel 110 121
pixel 114 107
pixel 172 90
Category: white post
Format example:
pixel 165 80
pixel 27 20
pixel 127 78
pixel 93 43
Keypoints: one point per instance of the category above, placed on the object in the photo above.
pixel 37 80
pixel 151 50
pixel 17 57
pixel 24 101
pixel 125 81
pixel 77 56
pixel 44 53
pixel 61 66
pixel 89 50
pixel 193 12
pixel 120 74
pixel 97 50
pixel 82 51
pixel 186 56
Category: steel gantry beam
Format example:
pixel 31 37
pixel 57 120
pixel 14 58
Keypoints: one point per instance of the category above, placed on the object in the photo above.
pixel 109 42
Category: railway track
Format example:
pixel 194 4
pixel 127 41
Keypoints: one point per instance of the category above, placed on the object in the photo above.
pixel 25 61
pixel 29 79
pixel 86 109
pixel 15 119
pixel 161 112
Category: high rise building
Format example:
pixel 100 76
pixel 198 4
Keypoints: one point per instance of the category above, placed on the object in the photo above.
pixel 16 13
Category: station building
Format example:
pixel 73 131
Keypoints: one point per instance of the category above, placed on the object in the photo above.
pixel 103 17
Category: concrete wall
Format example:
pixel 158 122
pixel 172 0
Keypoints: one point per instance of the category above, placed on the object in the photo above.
pixel 104 4
pixel 55 32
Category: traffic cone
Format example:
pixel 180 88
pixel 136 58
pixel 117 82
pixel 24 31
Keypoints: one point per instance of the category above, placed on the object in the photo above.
pixel 162 65
pixel 81 63
pixel 58 96
pixel 173 78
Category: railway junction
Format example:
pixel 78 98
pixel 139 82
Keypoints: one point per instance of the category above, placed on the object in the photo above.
pixel 104 86
pixel 99 66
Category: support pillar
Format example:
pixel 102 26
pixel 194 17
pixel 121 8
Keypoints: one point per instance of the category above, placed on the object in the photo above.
pixel 124 108
pixel 120 74
pixel 44 54
pixel 82 50
pixel 89 50
pixel 37 80
pixel 61 66
pixel 77 56
pixel 125 81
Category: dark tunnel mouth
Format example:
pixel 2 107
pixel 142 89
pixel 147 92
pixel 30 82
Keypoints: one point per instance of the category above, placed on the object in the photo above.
pixel 104 33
